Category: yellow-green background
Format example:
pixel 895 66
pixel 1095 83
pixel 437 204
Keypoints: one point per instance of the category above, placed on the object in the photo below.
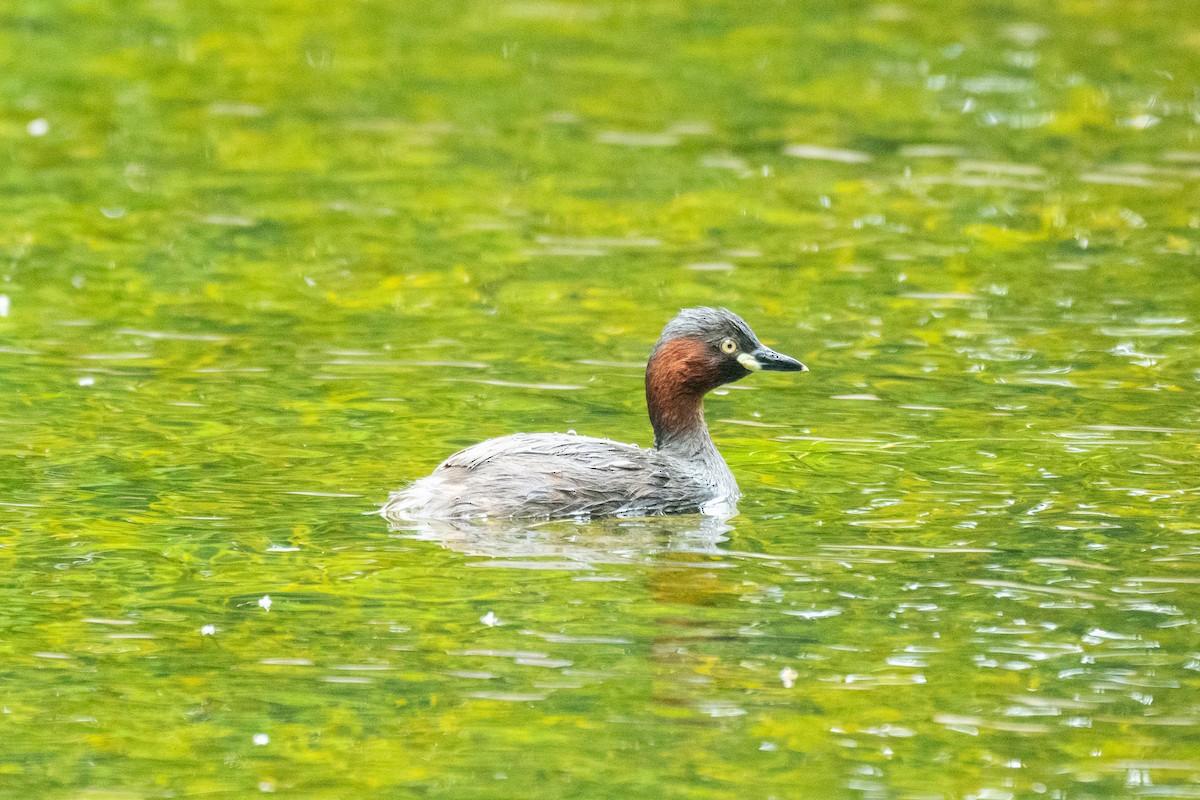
pixel 262 262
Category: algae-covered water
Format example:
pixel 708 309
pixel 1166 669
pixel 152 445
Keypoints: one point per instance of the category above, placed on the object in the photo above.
pixel 261 263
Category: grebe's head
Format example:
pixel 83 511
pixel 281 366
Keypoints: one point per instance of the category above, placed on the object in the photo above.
pixel 707 347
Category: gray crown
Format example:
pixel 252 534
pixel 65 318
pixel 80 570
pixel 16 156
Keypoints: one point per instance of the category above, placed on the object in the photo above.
pixel 710 325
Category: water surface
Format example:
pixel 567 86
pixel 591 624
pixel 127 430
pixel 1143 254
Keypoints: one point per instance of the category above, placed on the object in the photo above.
pixel 263 263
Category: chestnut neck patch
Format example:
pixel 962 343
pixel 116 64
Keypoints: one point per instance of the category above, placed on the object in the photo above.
pixel 680 373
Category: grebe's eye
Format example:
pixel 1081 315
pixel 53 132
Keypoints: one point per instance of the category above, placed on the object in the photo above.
pixel 729 346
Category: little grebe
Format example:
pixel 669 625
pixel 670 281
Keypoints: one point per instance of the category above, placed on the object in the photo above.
pixel 556 475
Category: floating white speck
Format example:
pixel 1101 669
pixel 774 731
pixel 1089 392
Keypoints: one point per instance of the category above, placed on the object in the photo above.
pixel 787 677
pixel 265 602
pixel 38 127
pixel 930 151
pixel 229 220
pixel 87 380
pixel 816 153
pixel 635 139
pixel 5 305
pixel 768 747
pixel 1141 122
pixel 309 281
pixel 208 630
pixel 266 786
pixel 719 709
pixel 814 613
pixel 261 739
pixel 490 619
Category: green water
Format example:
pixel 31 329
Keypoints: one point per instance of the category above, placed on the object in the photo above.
pixel 262 262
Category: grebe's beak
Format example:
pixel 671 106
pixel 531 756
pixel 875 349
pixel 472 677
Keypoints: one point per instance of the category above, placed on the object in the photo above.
pixel 765 358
